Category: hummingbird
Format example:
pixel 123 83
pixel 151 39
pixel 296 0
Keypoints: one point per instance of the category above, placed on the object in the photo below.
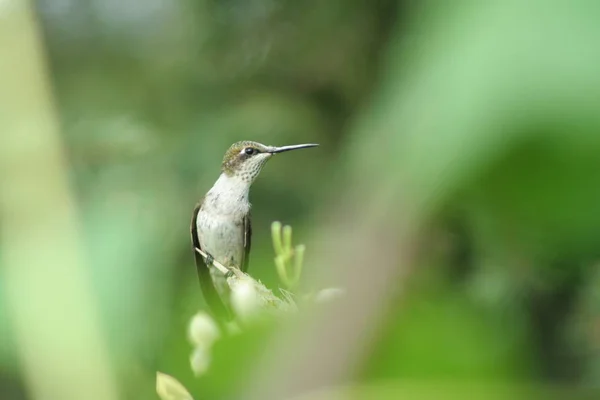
pixel 221 223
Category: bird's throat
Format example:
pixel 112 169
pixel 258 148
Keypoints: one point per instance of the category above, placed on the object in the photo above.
pixel 228 195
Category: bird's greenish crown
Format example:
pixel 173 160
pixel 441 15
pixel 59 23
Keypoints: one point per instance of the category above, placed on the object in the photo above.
pixel 244 156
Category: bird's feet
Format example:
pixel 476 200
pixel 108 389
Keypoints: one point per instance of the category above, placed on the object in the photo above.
pixel 209 260
pixel 210 263
pixel 229 273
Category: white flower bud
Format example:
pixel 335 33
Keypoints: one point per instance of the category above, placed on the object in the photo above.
pixel 203 330
pixel 200 360
pixel 245 300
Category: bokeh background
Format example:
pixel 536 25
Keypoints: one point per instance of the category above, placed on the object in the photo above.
pixel 465 134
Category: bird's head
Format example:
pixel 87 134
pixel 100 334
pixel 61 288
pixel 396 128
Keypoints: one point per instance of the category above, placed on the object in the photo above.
pixel 245 159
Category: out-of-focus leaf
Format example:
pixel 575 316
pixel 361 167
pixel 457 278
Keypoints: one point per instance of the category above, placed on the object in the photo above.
pixel 439 335
pixel 496 110
pixel 169 388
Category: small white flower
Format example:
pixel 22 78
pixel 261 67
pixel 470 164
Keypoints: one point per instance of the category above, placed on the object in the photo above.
pixel 203 330
pixel 245 300
pixel 329 294
pixel 200 360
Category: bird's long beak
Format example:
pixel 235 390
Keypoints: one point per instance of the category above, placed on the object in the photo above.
pixel 274 150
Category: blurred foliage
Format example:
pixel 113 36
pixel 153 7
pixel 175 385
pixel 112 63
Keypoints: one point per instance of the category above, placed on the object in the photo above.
pixel 485 115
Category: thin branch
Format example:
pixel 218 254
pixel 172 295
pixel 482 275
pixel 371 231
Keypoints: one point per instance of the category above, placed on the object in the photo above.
pixel 223 269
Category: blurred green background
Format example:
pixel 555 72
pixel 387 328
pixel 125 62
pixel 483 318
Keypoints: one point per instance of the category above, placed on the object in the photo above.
pixel 483 117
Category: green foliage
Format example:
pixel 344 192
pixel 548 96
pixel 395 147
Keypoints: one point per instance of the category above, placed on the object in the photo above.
pixel 288 259
pixel 483 113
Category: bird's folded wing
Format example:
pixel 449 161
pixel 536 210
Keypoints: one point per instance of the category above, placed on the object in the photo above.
pixel 211 296
pixel 247 242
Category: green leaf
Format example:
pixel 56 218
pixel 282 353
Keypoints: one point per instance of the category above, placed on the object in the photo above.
pixel 169 388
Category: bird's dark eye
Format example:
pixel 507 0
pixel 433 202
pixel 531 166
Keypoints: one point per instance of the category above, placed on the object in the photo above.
pixel 250 151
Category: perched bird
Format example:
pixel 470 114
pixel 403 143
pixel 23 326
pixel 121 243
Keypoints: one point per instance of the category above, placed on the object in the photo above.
pixel 221 225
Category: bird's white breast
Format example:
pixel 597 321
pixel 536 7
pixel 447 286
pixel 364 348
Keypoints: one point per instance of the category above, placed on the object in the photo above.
pixel 220 221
